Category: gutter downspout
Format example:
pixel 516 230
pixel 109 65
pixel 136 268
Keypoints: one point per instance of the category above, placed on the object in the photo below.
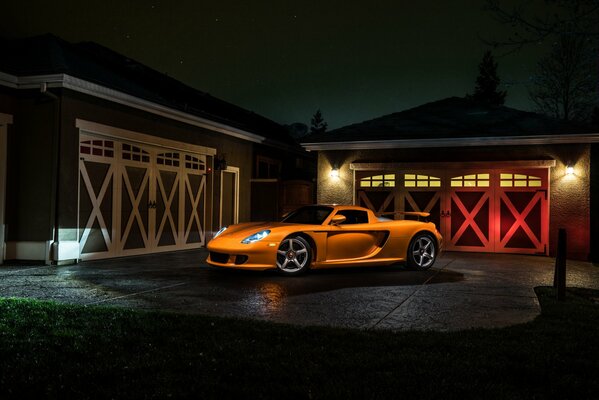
pixel 53 255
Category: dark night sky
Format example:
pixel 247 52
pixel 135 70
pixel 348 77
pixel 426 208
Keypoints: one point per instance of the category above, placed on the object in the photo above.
pixel 285 59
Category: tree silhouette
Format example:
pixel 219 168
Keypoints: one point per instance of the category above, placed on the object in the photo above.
pixel 534 21
pixel 485 91
pixel 565 83
pixel 317 123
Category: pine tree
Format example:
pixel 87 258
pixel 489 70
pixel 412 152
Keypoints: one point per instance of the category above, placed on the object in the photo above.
pixel 487 82
pixel 317 124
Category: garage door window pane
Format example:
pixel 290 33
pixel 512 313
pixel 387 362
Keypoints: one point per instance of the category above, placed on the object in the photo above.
pixel 520 180
pixel 413 180
pixel 471 180
pixel 376 181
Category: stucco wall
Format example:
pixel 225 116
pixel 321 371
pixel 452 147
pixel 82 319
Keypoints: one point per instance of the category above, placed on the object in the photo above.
pixel 569 195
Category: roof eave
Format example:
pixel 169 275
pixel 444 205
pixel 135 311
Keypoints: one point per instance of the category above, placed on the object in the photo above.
pixel 82 86
pixel 454 142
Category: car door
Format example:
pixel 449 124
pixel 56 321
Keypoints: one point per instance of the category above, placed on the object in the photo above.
pixel 353 239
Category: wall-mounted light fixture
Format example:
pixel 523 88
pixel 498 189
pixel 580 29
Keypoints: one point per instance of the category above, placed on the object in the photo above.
pixel 334 173
pixel 569 170
pixel 220 163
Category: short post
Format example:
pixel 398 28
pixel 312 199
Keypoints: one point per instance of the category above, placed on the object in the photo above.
pixel 559 277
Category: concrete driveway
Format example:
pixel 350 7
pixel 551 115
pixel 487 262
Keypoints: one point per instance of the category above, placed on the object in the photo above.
pixel 463 290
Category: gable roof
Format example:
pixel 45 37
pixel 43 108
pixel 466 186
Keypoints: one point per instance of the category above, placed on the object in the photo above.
pixel 91 62
pixel 449 120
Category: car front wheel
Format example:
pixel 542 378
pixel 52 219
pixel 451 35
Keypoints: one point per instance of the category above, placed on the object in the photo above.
pixel 422 252
pixel 294 256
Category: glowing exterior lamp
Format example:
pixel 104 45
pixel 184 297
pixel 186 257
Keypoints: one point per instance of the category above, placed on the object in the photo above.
pixel 335 173
pixel 569 170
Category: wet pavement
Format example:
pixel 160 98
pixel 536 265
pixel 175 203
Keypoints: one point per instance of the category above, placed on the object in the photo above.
pixel 462 290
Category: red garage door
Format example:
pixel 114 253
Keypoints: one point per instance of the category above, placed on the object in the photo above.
pixel 483 210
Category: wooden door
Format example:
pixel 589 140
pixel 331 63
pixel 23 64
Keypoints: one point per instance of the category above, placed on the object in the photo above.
pixel 137 213
pixel 97 181
pixel 522 212
pixel 468 213
pixel 376 191
pixel 422 191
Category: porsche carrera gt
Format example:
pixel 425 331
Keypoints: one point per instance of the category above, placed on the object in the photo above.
pixel 324 236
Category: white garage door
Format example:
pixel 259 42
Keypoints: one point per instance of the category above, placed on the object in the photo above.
pixel 136 198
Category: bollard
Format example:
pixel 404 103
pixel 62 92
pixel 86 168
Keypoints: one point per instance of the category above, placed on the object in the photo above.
pixel 559 277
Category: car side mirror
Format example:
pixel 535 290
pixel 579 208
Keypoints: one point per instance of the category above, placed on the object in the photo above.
pixel 338 219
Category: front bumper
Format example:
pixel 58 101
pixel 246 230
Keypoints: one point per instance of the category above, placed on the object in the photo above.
pixel 231 253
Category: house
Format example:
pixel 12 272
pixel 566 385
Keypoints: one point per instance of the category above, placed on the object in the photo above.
pixel 103 157
pixel 494 179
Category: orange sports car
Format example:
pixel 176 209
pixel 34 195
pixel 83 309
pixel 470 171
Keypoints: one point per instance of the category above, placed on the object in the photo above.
pixel 323 236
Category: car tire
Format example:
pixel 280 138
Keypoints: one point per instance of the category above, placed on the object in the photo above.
pixel 422 252
pixel 294 256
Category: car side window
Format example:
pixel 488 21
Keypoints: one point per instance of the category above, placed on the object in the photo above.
pixel 354 217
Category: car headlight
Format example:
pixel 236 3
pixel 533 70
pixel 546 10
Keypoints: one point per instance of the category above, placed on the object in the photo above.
pixel 221 230
pixel 256 237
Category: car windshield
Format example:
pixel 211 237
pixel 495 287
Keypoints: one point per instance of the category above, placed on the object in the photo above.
pixel 311 215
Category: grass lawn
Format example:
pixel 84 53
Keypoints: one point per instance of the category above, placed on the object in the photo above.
pixel 59 351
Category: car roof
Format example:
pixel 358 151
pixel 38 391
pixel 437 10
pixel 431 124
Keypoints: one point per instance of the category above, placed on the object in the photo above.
pixel 344 207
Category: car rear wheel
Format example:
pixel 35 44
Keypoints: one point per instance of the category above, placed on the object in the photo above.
pixel 294 256
pixel 422 252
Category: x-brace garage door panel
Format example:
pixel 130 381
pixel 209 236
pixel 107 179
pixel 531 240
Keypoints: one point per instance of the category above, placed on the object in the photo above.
pixel 97 172
pixel 135 210
pixel 469 220
pixel 376 191
pixel 522 212
pixel 194 188
pixel 421 191
pixel 137 199
pixel 167 208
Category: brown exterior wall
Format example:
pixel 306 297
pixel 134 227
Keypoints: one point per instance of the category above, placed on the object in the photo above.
pixel 570 196
pixel 29 165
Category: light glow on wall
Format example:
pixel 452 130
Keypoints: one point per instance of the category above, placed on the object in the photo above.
pixel 569 170
pixel 334 173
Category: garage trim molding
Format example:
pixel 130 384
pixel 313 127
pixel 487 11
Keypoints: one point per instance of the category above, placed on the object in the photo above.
pixel 106 130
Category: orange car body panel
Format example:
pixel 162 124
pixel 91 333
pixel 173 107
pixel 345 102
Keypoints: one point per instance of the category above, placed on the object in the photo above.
pixel 374 243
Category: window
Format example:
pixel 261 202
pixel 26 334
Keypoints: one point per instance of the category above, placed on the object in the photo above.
pixel 354 217
pixel 267 168
pixel 171 159
pixel 103 148
pixel 194 163
pixel 311 215
pixel 473 180
pixel 135 153
pixel 387 180
pixel 413 180
pixel 519 180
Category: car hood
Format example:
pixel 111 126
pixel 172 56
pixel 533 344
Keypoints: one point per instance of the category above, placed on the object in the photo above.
pixel 249 228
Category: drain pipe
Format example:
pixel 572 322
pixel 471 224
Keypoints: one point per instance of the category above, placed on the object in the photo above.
pixel 53 255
